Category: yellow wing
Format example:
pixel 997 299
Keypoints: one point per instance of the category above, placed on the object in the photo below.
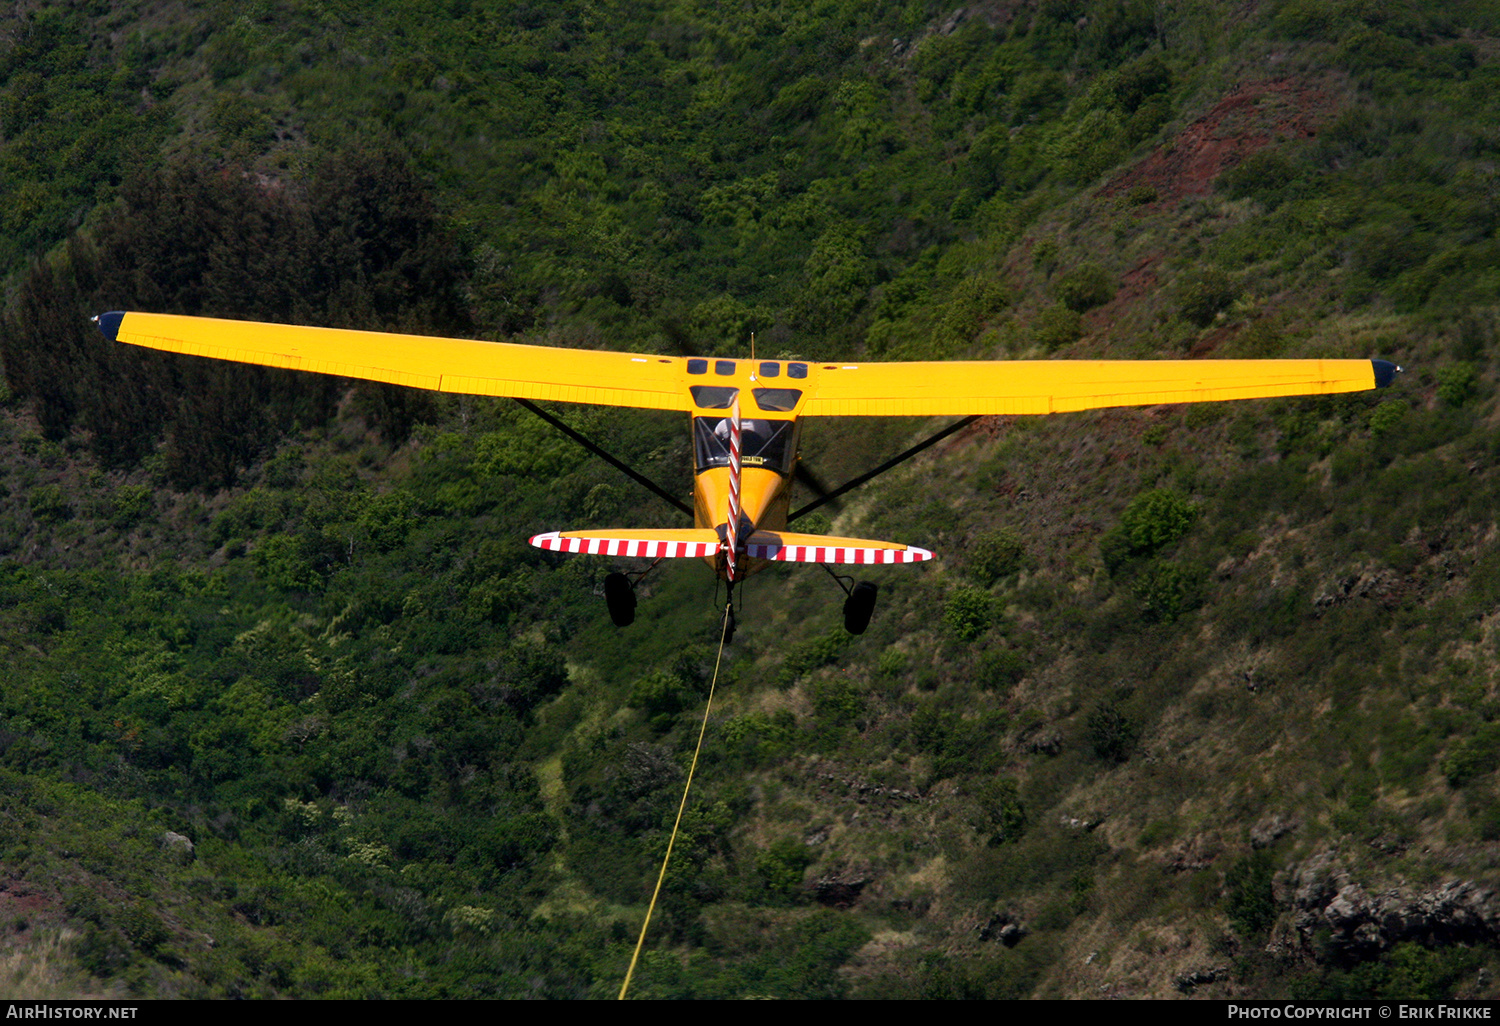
pixel 440 364
pixel 958 388
pixel 1053 386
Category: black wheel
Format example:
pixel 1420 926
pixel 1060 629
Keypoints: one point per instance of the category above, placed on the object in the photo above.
pixel 619 595
pixel 858 607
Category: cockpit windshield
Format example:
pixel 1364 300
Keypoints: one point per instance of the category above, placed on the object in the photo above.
pixel 763 443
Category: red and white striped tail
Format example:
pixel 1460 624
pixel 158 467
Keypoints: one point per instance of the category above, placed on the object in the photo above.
pixel 732 532
pixel 685 544
pixel 787 547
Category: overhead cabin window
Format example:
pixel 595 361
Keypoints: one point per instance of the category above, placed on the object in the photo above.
pixel 796 370
pixel 724 368
pixel 770 370
pixel 697 366
pixel 766 444
pixel 713 397
pixel 777 400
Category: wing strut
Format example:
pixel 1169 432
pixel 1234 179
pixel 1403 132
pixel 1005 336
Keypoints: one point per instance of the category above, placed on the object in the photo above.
pixel 887 465
pixel 606 457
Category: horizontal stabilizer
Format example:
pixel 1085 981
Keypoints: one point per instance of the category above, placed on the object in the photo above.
pixel 685 543
pixel 786 546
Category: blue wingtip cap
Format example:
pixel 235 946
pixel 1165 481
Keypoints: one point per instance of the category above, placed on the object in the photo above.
pixel 109 324
pixel 1385 372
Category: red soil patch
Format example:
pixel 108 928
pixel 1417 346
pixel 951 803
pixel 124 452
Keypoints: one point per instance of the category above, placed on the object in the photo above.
pixel 1211 341
pixel 1247 120
pixel 18 901
pixel 1140 279
pixel 1136 285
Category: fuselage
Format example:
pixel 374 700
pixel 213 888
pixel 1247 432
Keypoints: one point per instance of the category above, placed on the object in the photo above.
pixel 767 396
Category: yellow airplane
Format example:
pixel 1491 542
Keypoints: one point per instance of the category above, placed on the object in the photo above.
pixel 746 416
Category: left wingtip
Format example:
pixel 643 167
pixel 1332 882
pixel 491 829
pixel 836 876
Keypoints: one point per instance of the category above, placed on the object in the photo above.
pixel 109 324
pixel 1385 372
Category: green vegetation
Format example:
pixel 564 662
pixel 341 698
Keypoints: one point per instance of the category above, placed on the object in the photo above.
pixel 290 709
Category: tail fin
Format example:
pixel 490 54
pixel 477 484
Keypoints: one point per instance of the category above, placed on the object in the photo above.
pixel 789 547
pixel 732 532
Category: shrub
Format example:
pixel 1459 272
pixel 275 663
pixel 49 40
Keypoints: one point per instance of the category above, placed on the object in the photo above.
pixel 284 470
pixel 1251 904
pixel 1151 522
pixel 528 673
pixel 1309 19
pixel 1203 294
pixel 132 504
pixel 999 668
pixel 994 555
pixel 49 504
pixel 1386 416
pixel 972 303
pixel 969 613
pixel 1456 383
pixel 1167 590
pixel 811 654
pixel 1157 518
pixel 293 561
pixel 661 696
pixel 1261 175
pixel 835 701
pixel 781 866
pixel 1110 735
pixel 387 519
pixel 1055 327
pixel 814 523
pixel 1085 287
pixel 1002 815
pixel 1474 756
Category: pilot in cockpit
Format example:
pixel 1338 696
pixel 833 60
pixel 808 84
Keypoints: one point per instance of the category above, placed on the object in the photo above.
pixel 763 443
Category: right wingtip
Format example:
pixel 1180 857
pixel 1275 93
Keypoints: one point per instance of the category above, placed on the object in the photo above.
pixel 1385 372
pixel 109 324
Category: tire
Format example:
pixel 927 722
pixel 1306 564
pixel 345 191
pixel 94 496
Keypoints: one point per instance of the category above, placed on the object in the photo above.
pixel 859 607
pixel 619 595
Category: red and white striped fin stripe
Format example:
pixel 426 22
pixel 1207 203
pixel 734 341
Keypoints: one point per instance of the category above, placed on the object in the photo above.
pixel 732 534
pixel 553 542
pixel 836 554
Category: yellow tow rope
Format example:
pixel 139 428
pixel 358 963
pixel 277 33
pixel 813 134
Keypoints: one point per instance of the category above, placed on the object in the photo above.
pixel 641 941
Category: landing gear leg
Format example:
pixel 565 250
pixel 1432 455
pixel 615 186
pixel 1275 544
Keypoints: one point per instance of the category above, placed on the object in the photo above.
pixel 619 595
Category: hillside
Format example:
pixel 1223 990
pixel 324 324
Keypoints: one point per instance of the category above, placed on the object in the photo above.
pixel 1196 701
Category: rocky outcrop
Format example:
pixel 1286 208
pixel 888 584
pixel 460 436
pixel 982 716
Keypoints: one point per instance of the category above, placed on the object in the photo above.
pixel 1271 829
pixel 178 848
pixel 1383 586
pixel 1191 855
pixel 1193 978
pixel 865 791
pixel 1350 921
pixel 839 890
pixel 1004 928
